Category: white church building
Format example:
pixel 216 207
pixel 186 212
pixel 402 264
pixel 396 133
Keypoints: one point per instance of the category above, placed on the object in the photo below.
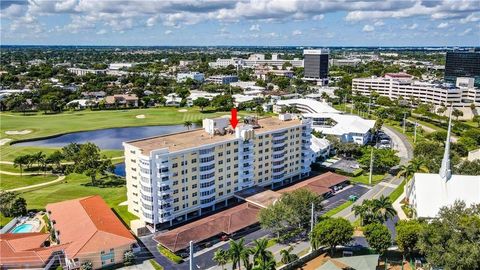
pixel 428 192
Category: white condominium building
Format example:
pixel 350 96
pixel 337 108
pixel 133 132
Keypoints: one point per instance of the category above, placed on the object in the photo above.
pixel 180 176
pixel 402 85
pixel 84 71
pixel 255 60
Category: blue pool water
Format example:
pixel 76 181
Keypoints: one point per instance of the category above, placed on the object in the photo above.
pixel 24 228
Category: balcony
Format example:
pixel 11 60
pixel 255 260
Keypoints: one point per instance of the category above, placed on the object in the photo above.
pixel 145 174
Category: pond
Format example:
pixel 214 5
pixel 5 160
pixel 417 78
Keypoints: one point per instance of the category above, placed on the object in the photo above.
pixel 111 138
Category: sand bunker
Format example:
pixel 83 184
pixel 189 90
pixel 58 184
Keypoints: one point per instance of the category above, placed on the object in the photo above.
pixel 140 116
pixel 183 110
pixel 4 141
pixel 18 132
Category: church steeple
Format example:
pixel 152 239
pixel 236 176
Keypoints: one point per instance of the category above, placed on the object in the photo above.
pixel 446 170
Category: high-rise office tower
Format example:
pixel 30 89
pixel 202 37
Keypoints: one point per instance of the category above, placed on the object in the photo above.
pixel 315 65
pixel 463 64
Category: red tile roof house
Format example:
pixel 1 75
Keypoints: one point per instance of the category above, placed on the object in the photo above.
pixel 90 231
pixel 27 250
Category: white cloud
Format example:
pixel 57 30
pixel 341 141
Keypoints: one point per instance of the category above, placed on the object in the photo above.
pixel 168 32
pixel 368 28
pixel 474 17
pixel 466 32
pixel 410 27
pixel 296 33
pixel 443 25
pixel 255 27
pixel 129 14
pixel 102 32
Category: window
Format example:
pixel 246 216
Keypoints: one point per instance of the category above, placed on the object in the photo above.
pixel 194 160
pixel 174 165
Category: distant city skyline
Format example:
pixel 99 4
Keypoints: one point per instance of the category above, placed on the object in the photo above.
pixel 241 23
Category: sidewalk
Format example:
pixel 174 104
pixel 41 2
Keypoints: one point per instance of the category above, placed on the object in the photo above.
pixel 398 207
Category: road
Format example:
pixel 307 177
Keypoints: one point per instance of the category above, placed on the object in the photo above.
pixel 390 182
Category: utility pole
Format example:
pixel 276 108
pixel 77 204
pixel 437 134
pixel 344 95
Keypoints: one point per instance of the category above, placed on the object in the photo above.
pixel 369 103
pixel 404 121
pixel 371 168
pixel 312 221
pixel 415 133
pixel 191 255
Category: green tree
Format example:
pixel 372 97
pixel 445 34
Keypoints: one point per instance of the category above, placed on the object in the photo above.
pixel 87 159
pixel 21 161
pixel 259 251
pixel 452 239
pixel 223 102
pixel 221 257
pixel 188 124
pixel 408 233
pixel 238 253
pixel 457 113
pixel 378 237
pixel 383 209
pixel 468 168
pixel 291 211
pixel 55 158
pixel 383 159
pixel 201 102
pixel 288 256
pixel 331 232
pixel 476 119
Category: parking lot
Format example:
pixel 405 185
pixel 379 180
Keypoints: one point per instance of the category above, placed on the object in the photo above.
pixel 342 196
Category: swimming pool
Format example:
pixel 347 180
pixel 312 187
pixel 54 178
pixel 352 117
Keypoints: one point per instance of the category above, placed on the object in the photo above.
pixel 24 228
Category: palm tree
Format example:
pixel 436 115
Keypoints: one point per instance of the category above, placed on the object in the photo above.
pixel 383 209
pixel 365 211
pixel 415 165
pixel 188 124
pixel 237 252
pixel 260 251
pixel 287 256
pixel 269 264
pixel 221 257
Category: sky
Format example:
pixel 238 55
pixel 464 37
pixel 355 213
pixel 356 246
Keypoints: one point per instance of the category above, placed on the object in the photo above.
pixel 243 22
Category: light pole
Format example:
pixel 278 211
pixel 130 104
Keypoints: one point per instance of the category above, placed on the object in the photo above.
pixel 404 121
pixel 371 168
pixel 191 255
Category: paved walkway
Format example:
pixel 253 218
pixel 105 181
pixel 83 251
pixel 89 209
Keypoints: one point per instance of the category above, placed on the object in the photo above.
pixel 59 179
pixel 398 207
pixel 21 174
pixel 428 129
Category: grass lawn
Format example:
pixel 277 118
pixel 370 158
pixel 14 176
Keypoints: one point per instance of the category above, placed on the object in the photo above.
pixel 397 192
pixel 155 265
pixel 16 181
pixel 363 179
pixel 75 186
pixel 46 125
pixel 169 255
pixel 338 209
pixel 43 125
pixel 4 220
pixel 8 153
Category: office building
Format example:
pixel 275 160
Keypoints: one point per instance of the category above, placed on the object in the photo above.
pixel 315 63
pixel 399 85
pixel 176 177
pixel 463 64
pixel 222 79
pixel 196 76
